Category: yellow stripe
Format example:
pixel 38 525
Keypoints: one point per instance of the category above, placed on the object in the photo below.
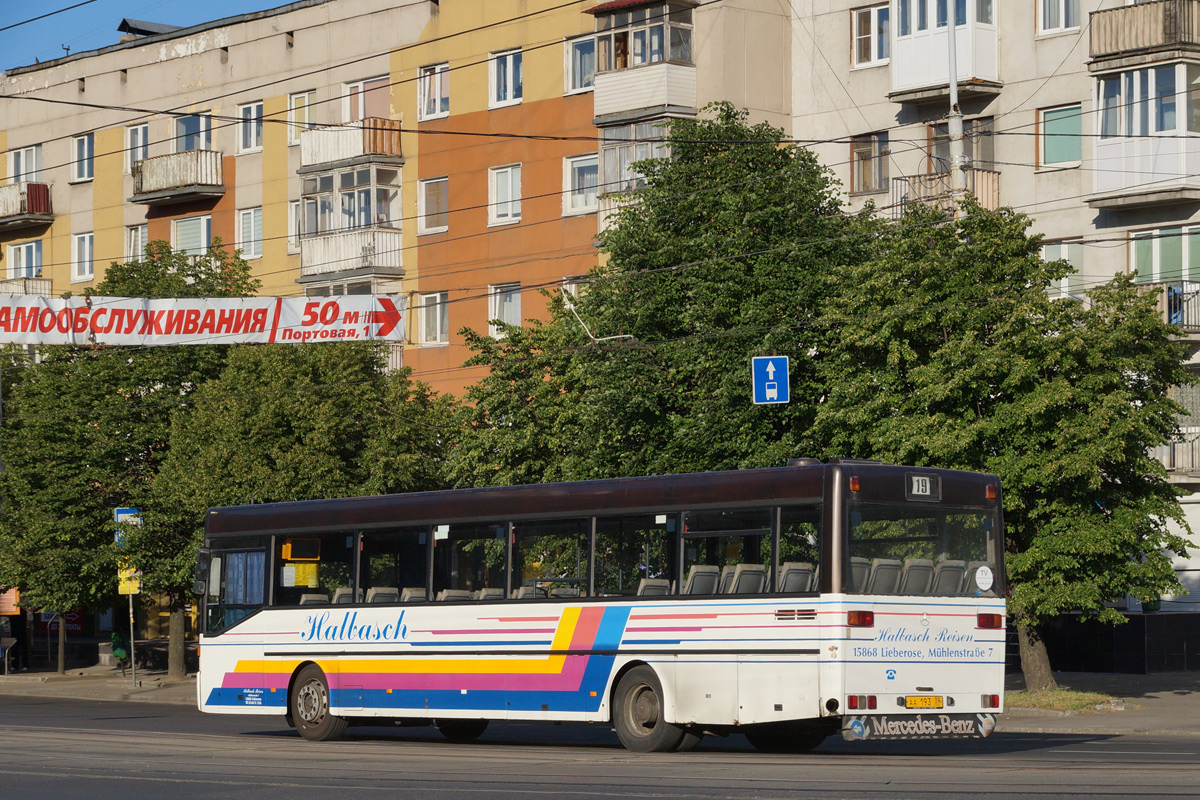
pixel 475 666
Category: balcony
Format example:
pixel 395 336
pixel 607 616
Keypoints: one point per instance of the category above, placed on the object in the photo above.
pixel 920 62
pixel 1179 305
pixel 25 205
pixel 1181 458
pixel 1132 35
pixel 26 286
pixel 937 188
pixel 653 89
pixel 373 139
pixel 178 178
pixel 364 251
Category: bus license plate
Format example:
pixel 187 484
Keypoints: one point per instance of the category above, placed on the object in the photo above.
pixel 923 701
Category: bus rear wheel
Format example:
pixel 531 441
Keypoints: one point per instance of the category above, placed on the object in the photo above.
pixel 638 714
pixel 310 707
pixel 783 738
pixel 461 730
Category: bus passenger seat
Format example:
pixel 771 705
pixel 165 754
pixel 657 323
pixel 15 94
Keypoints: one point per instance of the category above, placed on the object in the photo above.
pixel 314 599
pixel 795 576
pixel 453 595
pixel 412 594
pixel 917 576
pixel 526 593
pixel 490 593
pixel 385 594
pixel 726 578
pixel 969 586
pixel 653 587
pixel 948 577
pixel 565 591
pixel 859 569
pixel 344 595
pixel 885 575
pixel 702 579
pixel 748 579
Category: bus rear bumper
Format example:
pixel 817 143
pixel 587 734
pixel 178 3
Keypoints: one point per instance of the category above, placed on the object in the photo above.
pixel 917 726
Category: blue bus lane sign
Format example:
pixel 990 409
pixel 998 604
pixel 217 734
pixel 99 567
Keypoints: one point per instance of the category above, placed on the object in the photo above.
pixel 770 378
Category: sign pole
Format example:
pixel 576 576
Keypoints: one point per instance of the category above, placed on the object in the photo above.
pixel 132 656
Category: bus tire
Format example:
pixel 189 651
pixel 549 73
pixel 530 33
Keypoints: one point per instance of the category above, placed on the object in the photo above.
pixel 461 730
pixel 310 707
pixel 638 714
pixel 783 738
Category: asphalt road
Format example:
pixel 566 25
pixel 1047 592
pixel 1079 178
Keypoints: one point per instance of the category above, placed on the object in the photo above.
pixel 88 749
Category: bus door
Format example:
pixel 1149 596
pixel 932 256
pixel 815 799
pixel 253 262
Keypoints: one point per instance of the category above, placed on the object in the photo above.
pixel 235 588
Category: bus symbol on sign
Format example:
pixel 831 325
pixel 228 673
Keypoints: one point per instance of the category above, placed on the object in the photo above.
pixel 770 377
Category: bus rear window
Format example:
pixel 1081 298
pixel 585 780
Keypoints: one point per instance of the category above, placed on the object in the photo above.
pixel 923 551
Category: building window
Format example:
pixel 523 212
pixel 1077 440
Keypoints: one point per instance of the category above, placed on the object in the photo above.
pixel 84 148
pixel 1058 15
pixel 250 127
pixel 250 232
pixel 25 260
pixel 295 224
pixel 193 132
pixel 350 198
pixel 300 114
pixel 193 235
pixel 435 318
pixel 977 145
pixel 82 261
pixel 581 64
pixel 137 145
pixel 504 77
pixel 911 15
pixel 433 205
pixel 1142 102
pixel 1070 286
pixel 504 190
pixel 575 284
pixel 1166 255
pixel 136 238
pixel 1061 140
pixel 872 35
pixel 504 307
pixel 433 88
pixel 624 146
pixel 645 35
pixel 369 98
pixel 869 163
pixel 943 12
pixel 27 164
pixel 581 176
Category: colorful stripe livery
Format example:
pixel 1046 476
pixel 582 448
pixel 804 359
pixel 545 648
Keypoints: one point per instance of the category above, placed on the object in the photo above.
pixel 572 676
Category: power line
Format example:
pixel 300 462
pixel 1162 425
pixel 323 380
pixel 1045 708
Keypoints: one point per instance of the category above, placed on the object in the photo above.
pixel 43 16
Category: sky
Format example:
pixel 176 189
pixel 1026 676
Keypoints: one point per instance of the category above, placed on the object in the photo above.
pixel 95 25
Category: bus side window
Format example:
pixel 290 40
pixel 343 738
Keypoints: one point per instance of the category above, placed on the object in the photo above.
pixel 469 557
pixel 551 556
pixel 799 549
pixel 728 539
pixel 236 587
pixel 632 549
pixel 311 569
pixel 393 561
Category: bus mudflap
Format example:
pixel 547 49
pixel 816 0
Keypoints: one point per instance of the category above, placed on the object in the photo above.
pixel 917 726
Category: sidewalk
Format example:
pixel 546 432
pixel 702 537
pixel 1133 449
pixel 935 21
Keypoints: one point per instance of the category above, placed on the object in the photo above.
pixel 102 683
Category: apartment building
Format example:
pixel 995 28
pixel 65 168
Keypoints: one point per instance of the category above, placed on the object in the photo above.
pixel 1083 114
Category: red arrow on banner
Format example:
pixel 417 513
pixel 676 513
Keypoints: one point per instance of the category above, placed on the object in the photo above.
pixel 388 318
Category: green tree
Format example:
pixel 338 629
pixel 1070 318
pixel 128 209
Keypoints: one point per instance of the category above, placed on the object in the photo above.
pixel 950 352
pixel 289 422
pixel 717 258
pixel 85 431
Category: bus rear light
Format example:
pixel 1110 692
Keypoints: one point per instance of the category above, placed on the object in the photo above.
pixel 871 705
pixel 860 619
pixel 990 492
pixel 854 484
pixel 990 701
pixel 991 621
pixel 862 702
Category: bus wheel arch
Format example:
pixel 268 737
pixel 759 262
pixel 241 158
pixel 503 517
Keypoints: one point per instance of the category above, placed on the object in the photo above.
pixel 640 711
pixel 309 705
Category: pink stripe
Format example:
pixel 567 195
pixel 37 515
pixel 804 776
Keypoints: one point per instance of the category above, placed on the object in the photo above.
pixel 521 619
pixel 490 630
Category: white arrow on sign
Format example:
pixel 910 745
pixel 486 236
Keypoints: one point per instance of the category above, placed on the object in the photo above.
pixel 770 370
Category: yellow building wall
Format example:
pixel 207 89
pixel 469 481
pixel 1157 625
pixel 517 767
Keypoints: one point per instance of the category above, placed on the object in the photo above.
pixel 108 202
pixel 277 269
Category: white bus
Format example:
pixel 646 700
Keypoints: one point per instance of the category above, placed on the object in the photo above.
pixel 786 604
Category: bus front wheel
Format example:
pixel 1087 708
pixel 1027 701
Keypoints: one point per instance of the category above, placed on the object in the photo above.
pixel 638 714
pixel 310 707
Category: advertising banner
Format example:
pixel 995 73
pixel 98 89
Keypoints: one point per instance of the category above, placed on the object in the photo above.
pixel 138 321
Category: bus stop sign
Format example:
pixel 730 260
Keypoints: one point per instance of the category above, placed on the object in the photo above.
pixel 770 377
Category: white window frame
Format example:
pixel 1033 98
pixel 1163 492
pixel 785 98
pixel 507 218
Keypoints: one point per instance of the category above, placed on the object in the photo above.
pixel 355 93
pixel 205 133
pixel 1069 287
pixel 20 161
pixel 1139 106
pixel 205 222
pixel 1060 7
pixel 497 292
pixel 574 284
pixel 619 152
pixel 872 15
pixel 83 150
pixel 879 178
pixel 1042 148
pixel 250 246
pixel 29 256
pixel 250 127
pixel 1189 236
pixel 575 202
pixel 423 225
pixel 295 225
pixel 433 78
pixel 515 69
pixel 137 146
pixel 83 257
pixel 504 212
pixel 572 83
pixel 300 102
pixel 437 305
pixel 136 239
